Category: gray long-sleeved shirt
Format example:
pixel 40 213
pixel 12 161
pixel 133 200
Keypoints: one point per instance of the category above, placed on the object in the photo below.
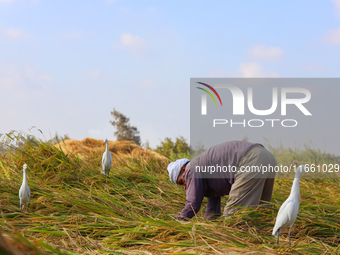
pixel 224 154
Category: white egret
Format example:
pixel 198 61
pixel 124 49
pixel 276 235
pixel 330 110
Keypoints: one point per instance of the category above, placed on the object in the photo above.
pixel 106 160
pixel 24 192
pixel 290 208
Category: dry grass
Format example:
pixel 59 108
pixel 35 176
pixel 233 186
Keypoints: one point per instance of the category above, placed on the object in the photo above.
pixel 90 147
pixel 76 210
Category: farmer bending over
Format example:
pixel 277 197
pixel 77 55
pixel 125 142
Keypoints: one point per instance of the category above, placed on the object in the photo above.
pixel 245 188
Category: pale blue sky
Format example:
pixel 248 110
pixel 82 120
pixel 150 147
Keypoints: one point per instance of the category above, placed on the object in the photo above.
pixel 65 64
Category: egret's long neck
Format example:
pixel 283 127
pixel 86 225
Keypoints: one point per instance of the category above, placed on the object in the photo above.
pixel 24 177
pixel 296 185
pixel 107 146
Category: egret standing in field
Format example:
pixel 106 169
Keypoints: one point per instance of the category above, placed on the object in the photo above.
pixel 290 208
pixel 106 160
pixel 24 192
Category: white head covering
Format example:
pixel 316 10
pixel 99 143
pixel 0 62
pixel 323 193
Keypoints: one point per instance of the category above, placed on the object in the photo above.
pixel 174 168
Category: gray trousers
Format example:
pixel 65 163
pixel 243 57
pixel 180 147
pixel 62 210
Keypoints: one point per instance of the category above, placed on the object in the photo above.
pixel 252 188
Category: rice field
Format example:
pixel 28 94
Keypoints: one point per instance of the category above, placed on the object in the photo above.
pixel 76 210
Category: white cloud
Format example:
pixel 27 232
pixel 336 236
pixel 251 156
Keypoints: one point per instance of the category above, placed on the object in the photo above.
pixel 252 70
pixel 337 6
pixel 15 34
pixel 133 44
pixel 246 70
pixel 333 37
pixel 263 52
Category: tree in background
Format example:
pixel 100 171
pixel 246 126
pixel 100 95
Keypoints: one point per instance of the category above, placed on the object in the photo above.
pixel 199 148
pixel 174 150
pixel 124 132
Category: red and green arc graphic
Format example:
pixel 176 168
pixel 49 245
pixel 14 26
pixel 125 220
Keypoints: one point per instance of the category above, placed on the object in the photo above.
pixel 209 92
